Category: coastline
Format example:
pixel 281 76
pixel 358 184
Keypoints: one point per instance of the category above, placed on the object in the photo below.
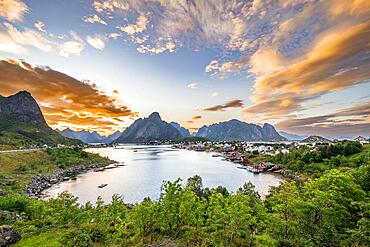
pixel 244 163
pixel 42 182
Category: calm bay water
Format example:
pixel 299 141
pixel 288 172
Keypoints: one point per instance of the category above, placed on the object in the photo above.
pixel 146 167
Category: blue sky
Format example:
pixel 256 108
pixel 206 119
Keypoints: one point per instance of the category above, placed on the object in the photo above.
pixel 281 62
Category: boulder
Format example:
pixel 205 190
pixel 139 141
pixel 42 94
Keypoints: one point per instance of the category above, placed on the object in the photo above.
pixel 8 236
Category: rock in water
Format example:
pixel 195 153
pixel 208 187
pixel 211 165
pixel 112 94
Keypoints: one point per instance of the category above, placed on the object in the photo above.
pixel 8 236
pixel 149 129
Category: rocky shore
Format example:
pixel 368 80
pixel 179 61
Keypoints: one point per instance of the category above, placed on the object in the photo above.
pixel 41 182
pixel 8 236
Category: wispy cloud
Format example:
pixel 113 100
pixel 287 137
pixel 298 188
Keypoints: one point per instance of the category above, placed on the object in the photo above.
pixel 351 121
pixel 110 5
pixel 193 85
pixel 72 47
pixel 40 26
pixel 97 41
pixel 215 94
pixel 94 19
pixel 138 27
pixel 335 61
pixel 15 41
pixel 13 10
pixel 296 51
pixel 236 103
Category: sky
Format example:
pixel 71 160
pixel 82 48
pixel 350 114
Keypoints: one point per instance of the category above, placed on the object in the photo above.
pixel 301 65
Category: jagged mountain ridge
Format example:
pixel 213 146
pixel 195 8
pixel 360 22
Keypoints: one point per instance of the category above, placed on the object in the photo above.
pixel 184 132
pixel 292 137
pixel 89 137
pixel 235 130
pixel 149 129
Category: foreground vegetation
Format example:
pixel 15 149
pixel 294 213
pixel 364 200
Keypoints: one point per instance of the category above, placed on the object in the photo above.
pixel 303 161
pixel 332 209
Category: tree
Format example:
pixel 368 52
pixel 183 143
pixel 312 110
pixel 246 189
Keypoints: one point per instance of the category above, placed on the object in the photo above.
pixel 195 184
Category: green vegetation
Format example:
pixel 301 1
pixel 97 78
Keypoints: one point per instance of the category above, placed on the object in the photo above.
pixel 342 155
pixel 256 158
pixel 192 139
pixel 17 169
pixel 67 157
pixel 16 134
pixel 329 210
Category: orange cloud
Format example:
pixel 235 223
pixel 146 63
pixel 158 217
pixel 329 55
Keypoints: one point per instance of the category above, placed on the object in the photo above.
pixel 337 60
pixel 352 121
pixel 196 117
pixel 63 99
pixel 13 10
pixel 230 104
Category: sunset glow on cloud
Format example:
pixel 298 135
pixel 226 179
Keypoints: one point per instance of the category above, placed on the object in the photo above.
pixel 258 61
pixel 64 100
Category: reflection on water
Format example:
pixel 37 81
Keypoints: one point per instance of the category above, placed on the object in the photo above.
pixel 146 167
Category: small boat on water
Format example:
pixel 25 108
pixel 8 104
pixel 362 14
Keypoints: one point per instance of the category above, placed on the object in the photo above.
pixel 102 186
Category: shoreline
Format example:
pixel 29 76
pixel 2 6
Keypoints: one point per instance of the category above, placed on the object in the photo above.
pixel 42 182
pixel 263 167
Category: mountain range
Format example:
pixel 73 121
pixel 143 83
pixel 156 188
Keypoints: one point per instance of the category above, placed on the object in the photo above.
pixel 22 123
pixel 235 130
pixel 292 137
pixel 89 137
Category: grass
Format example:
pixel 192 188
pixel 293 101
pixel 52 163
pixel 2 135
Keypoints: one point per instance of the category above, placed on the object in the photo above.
pixel 17 169
pixel 47 239
pixel 16 134
pixel 21 167
pixel 260 158
pixel 257 158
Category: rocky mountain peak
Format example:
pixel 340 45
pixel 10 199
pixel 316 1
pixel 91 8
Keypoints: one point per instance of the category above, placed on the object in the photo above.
pixel 155 116
pixel 22 106
pixel 184 132
pixel 268 126
pixel 152 128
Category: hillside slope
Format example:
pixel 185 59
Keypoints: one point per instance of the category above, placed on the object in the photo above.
pixel 23 125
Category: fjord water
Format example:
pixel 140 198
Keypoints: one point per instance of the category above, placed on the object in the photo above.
pixel 146 167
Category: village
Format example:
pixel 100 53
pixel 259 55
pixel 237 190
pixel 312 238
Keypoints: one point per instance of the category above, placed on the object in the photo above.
pixel 253 156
